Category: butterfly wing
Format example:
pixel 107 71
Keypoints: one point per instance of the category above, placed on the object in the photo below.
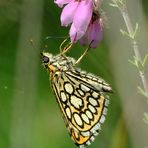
pixel 82 102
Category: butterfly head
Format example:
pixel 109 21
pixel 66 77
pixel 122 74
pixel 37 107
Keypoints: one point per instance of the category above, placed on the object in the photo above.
pixel 45 57
pixel 56 63
pixel 47 60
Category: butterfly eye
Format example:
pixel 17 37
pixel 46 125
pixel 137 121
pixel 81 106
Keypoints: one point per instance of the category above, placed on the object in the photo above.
pixel 45 59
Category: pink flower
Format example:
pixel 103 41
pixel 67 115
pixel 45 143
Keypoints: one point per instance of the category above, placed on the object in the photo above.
pixel 68 13
pixel 94 34
pixel 85 26
pixel 83 16
pixel 79 14
pixel 75 34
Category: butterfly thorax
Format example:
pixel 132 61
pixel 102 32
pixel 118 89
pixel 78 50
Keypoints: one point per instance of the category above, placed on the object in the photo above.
pixel 57 63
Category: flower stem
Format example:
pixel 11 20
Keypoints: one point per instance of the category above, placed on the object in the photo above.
pixel 131 33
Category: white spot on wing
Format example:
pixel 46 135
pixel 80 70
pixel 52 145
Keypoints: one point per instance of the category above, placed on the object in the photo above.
pixel 78 119
pixel 92 138
pixel 89 114
pixel 95 95
pixel 91 108
pixel 88 143
pixel 68 112
pixel 68 88
pixel 106 102
pixel 75 101
pixel 95 128
pixel 93 101
pixel 105 111
pixel 85 118
pixel 102 119
pixel 85 133
pixel 84 88
pixel 89 77
pixel 107 88
pixel 80 92
pixel 96 133
pixel 95 79
pixel 63 97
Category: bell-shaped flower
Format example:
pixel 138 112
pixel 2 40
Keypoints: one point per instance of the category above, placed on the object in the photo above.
pixel 74 34
pixel 85 22
pixel 93 35
pixel 68 13
pixel 83 15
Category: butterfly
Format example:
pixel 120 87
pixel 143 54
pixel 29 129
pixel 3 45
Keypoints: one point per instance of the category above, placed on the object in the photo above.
pixel 81 96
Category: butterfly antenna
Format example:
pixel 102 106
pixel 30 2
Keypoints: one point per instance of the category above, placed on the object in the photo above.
pixel 45 46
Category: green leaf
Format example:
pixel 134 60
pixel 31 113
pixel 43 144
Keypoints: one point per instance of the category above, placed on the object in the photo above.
pixel 135 31
pixel 124 33
pixel 141 91
pixel 145 60
pixel 113 5
pixel 134 61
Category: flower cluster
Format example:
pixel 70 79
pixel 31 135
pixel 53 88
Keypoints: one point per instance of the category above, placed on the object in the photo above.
pixel 86 25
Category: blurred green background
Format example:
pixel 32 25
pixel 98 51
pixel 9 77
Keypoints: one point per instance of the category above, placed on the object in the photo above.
pixel 29 113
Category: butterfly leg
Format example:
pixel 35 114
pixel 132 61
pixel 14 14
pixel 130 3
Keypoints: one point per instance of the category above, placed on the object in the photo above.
pixel 66 47
pixel 85 52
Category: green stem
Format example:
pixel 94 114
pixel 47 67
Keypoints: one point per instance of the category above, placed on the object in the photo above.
pixel 130 29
